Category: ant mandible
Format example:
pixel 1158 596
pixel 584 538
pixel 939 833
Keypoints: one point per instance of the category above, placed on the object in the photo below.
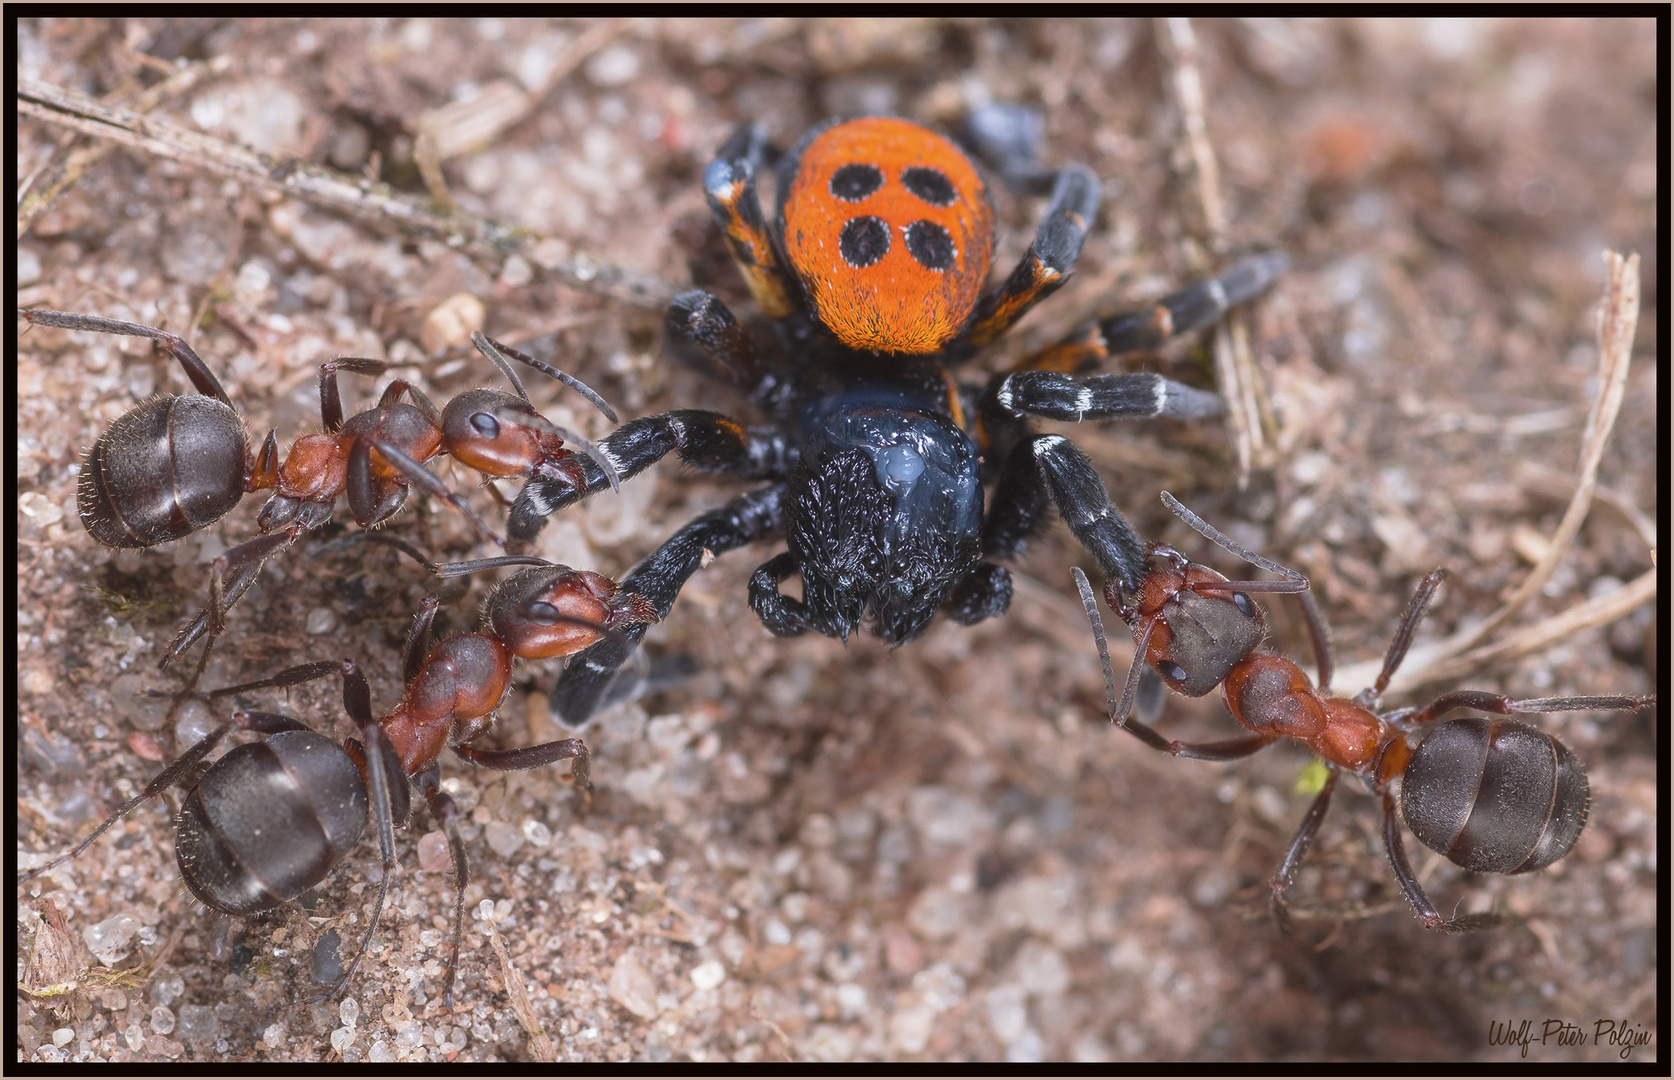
pixel 1492 795
pixel 271 819
pixel 177 464
pixel 876 459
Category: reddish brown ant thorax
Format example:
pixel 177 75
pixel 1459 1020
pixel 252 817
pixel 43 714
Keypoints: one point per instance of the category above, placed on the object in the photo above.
pixel 1353 737
pixel 1271 695
pixel 316 469
pixel 464 677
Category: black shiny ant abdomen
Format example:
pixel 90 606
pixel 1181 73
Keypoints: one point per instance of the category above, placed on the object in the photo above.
pixel 1470 787
pixel 170 467
pixel 270 820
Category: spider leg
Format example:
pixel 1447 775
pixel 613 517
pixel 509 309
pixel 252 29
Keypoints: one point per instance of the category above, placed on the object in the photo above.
pixel 1048 262
pixel 704 440
pixel 1147 328
pixel 752 516
pixel 730 185
pixel 702 333
pixel 1050 467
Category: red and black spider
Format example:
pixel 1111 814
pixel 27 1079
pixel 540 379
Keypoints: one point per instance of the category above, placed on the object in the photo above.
pixel 875 458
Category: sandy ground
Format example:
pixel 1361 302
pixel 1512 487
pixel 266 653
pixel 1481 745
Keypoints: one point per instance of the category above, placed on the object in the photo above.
pixel 814 851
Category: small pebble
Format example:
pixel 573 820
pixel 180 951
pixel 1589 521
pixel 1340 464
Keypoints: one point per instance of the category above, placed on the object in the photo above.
pixel 197 1022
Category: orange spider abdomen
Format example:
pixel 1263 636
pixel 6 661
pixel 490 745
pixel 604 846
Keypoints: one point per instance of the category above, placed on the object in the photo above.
pixel 889 229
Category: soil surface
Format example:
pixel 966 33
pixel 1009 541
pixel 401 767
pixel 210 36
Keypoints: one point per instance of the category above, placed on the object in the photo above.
pixel 830 852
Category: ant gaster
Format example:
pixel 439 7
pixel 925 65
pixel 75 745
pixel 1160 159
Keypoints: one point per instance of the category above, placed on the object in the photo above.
pixel 177 464
pixel 1493 795
pixel 270 819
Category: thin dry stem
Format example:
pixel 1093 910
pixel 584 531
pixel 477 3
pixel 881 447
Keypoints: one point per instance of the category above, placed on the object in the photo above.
pixel 540 1045
pixel 1459 654
pixel 1617 318
pixel 68 164
pixel 1235 368
pixel 479 237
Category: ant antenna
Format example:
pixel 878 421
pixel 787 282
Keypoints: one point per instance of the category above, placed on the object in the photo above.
pixel 497 352
pixel 1118 711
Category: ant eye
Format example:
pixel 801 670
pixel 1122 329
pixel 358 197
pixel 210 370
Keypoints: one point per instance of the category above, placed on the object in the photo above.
pixel 542 612
pixel 1171 672
pixel 487 426
pixel 1244 604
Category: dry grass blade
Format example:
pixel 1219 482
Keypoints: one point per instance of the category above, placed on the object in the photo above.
pixel 1234 364
pixel 1458 655
pixel 480 237
pixel 70 164
pixel 540 1046
pixel 1566 624
pixel 1618 316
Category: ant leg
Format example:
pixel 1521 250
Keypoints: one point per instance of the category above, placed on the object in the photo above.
pixel 533 757
pixel 659 578
pixel 196 370
pixel 1049 260
pixel 497 351
pixel 361 487
pixel 446 813
pixel 1414 892
pixel 729 183
pixel 236 571
pixel 331 400
pixel 383 781
pixel 1504 706
pixel 1402 641
pixel 1285 875
pixel 1051 465
pixel 263 723
pixel 704 440
pixel 418 640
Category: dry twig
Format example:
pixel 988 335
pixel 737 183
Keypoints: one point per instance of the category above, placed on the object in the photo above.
pixel 1459 654
pixel 1247 411
pixel 479 237
pixel 68 165
pixel 540 1045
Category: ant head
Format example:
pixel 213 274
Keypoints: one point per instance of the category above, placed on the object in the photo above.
pixel 1193 625
pixel 549 611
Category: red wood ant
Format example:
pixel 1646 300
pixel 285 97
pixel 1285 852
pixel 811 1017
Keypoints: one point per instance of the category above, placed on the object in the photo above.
pixel 270 819
pixel 1492 795
pixel 177 464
